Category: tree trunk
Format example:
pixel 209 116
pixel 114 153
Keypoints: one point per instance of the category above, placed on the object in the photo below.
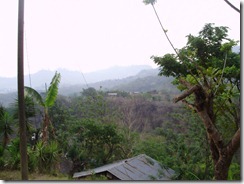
pixel 45 128
pixel 221 168
pixel 221 155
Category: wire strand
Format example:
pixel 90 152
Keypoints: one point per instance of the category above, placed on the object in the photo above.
pixel 27 58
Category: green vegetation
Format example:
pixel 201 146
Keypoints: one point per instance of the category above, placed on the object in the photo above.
pixel 72 134
pixel 9 175
pixel 208 73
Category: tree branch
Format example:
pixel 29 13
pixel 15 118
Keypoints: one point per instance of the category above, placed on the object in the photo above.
pixel 232 6
pixel 212 131
pixel 165 31
pixel 186 93
pixel 184 82
pixel 191 106
pixel 234 143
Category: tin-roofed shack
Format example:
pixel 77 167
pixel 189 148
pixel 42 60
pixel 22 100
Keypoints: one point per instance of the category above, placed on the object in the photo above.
pixel 141 167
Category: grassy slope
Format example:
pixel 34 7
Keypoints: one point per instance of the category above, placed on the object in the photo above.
pixel 15 175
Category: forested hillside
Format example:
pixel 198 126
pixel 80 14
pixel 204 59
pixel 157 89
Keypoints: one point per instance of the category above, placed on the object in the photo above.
pixel 143 81
pixel 95 128
pixel 186 115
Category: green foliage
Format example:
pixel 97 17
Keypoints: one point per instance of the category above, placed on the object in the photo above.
pixel 51 95
pixel 6 129
pixel 174 68
pixel 35 95
pixel 189 146
pixel 46 156
pixel 46 103
pixel 96 144
pixel 2 110
pixel 32 160
pixel 2 160
pixel 182 148
pixel 52 91
pixel 204 51
pixel 12 154
pixel 208 61
pixel 234 172
pixel 151 145
pixel 92 105
pixel 30 112
pixel 96 177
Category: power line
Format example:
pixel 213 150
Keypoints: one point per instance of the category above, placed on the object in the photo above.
pixel 27 58
pixel 84 78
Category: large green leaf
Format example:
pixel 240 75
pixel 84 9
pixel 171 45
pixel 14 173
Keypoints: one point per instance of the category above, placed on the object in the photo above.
pixel 35 95
pixel 52 91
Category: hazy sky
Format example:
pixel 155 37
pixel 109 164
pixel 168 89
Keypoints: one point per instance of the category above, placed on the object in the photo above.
pixel 88 35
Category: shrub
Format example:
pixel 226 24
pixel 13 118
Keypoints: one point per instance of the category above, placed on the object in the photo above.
pixel 47 156
pixel 12 154
pixel 1 157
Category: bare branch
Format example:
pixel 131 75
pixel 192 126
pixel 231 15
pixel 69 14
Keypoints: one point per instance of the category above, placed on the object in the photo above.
pixel 186 93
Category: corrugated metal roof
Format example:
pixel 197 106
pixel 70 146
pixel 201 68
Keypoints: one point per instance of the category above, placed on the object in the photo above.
pixel 141 167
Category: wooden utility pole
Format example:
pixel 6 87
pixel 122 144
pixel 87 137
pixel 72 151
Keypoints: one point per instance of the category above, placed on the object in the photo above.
pixel 22 124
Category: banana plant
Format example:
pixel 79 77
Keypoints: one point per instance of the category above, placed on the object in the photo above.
pixel 46 102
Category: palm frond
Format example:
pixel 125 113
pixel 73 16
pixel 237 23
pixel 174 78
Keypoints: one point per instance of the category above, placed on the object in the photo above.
pixel 52 91
pixel 35 95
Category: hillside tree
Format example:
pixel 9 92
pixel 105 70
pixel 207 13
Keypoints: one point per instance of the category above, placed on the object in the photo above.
pixel 208 73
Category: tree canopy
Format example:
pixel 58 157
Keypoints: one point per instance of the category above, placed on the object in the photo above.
pixel 208 73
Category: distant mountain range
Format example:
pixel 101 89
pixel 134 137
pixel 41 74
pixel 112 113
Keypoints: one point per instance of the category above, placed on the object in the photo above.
pixel 144 81
pixel 130 79
pixel 68 78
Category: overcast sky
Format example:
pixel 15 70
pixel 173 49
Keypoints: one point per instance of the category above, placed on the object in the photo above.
pixel 88 35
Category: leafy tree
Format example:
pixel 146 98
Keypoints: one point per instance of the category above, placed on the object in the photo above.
pixel 208 73
pixel 92 105
pixel 91 143
pixel 60 112
pixel 182 147
pixel 46 102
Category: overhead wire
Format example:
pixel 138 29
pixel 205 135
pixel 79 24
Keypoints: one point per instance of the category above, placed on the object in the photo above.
pixel 27 57
pixel 84 78
pixel 29 71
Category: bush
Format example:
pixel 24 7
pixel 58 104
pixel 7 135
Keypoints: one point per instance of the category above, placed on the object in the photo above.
pixel 46 156
pixel 12 154
pixel 234 172
pixel 1 157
